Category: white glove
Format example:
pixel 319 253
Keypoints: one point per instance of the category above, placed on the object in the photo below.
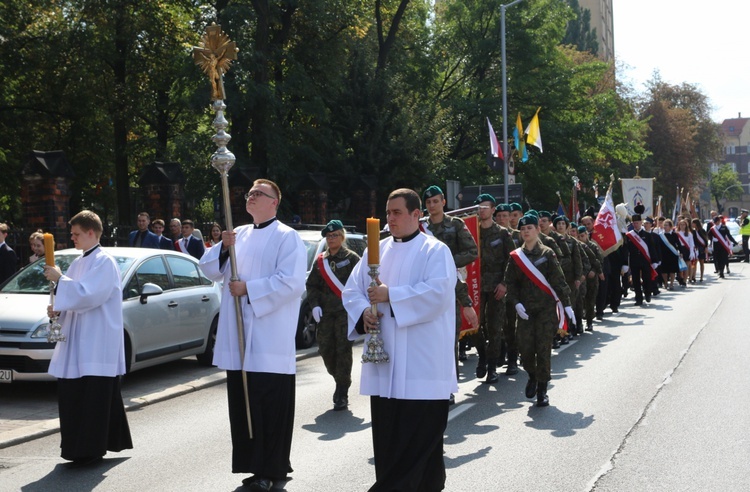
pixel 521 311
pixel 625 269
pixel 654 265
pixel 571 314
pixel 317 314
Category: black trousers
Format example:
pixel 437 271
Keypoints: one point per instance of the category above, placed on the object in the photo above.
pixel 641 278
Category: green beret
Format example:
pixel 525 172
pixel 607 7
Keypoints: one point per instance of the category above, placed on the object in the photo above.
pixel 560 218
pixel 431 191
pixel 485 197
pixel 528 219
pixel 544 213
pixel 532 212
pixel 503 207
pixel 573 225
pixel 334 225
pixel 582 229
pixel 515 207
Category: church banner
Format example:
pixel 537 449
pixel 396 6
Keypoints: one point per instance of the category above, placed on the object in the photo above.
pixel 639 191
pixel 472 276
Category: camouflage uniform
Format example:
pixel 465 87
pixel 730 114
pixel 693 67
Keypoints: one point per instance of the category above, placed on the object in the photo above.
pixel 496 244
pixel 535 334
pixel 573 273
pixel 592 284
pixel 453 232
pixel 333 343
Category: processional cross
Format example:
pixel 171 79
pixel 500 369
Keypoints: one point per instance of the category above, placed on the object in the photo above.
pixel 214 56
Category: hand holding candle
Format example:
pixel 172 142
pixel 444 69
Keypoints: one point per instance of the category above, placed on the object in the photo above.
pixel 373 241
pixel 49 249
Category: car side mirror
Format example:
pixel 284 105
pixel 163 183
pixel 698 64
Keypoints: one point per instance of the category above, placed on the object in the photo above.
pixel 150 290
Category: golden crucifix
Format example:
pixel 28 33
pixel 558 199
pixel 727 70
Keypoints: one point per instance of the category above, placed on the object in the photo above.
pixel 214 56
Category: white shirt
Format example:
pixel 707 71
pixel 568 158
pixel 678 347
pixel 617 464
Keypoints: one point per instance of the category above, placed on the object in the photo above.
pixel 90 298
pixel 272 261
pixel 418 326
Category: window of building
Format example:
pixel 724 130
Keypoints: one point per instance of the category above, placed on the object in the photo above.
pixel 714 168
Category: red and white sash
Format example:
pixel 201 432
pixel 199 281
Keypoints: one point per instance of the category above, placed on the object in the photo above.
pixel 721 239
pixel 538 279
pixel 643 248
pixel 683 240
pixel 700 239
pixel 178 246
pixel 325 271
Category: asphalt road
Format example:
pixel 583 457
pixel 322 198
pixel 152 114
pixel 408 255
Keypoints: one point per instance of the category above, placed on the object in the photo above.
pixel 653 399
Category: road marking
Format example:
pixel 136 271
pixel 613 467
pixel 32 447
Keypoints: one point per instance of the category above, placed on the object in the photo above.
pixel 459 409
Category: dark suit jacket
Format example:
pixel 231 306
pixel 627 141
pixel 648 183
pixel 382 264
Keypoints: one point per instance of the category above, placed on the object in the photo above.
pixel 150 241
pixel 195 247
pixel 166 243
pixel 8 262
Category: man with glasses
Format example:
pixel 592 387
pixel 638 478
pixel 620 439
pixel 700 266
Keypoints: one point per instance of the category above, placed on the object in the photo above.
pixel 271 266
pixel 325 283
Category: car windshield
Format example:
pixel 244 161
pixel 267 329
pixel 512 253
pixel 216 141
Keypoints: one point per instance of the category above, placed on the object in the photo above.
pixel 31 279
pixel 312 247
pixel 734 228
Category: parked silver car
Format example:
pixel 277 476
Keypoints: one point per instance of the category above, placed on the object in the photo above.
pixel 170 311
pixel 315 244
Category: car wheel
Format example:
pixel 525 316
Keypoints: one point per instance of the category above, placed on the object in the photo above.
pixel 306 328
pixel 207 357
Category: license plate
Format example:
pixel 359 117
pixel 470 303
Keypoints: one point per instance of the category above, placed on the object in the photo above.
pixel 6 376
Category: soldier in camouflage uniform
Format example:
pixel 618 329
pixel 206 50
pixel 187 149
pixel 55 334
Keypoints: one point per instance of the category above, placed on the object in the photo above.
pixel 595 256
pixel 495 247
pixel 502 215
pixel 585 269
pixel 536 309
pixel 574 269
pixel 328 310
pixel 453 232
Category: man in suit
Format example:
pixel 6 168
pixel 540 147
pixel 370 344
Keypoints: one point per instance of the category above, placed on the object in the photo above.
pixel 143 238
pixel 188 243
pixel 158 228
pixel 8 258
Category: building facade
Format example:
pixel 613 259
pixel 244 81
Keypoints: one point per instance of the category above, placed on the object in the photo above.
pixel 736 136
pixel 602 20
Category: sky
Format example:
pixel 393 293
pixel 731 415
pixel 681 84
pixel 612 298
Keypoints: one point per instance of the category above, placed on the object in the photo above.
pixel 699 42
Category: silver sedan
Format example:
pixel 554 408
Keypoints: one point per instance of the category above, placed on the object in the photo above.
pixel 170 311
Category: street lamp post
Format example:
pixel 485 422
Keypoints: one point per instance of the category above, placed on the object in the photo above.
pixel 505 94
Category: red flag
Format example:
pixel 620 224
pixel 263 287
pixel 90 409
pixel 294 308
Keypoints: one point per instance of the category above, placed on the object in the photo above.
pixel 606 233
pixel 473 277
pixel 494 144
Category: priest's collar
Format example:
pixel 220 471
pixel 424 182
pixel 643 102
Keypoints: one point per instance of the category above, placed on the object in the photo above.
pixel 88 252
pixel 407 238
pixel 265 224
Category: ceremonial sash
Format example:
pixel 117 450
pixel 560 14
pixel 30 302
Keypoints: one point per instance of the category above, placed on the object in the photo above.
pixel 178 245
pixel 325 271
pixel 683 240
pixel 700 238
pixel 538 279
pixel 643 248
pixel 669 245
pixel 721 239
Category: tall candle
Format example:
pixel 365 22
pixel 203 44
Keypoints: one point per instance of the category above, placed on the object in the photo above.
pixel 373 241
pixel 49 249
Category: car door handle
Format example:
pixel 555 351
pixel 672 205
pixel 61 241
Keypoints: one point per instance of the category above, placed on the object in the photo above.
pixel 205 299
pixel 172 304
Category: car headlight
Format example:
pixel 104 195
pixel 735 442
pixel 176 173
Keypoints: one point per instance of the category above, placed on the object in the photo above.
pixel 41 331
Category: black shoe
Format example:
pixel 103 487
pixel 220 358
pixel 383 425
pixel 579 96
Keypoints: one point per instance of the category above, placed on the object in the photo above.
pixel 492 377
pixel 531 388
pixel 542 400
pixel 638 303
pixel 84 462
pixel 648 298
pixel 462 355
pixel 721 275
pixel 452 400
pixel 589 325
pixel 565 340
pixel 555 343
pixel 481 368
pixel 260 485
pixel 511 370
pixel 656 293
pixel 599 316
pixel 615 310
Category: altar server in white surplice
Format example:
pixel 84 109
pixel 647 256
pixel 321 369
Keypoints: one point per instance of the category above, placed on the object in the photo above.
pixel 409 395
pixel 271 265
pixel 88 364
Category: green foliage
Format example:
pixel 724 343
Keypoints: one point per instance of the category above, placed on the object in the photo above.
pixel 725 183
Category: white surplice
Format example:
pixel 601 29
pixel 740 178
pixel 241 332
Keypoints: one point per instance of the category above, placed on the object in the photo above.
pixel 418 324
pixel 272 261
pixel 90 298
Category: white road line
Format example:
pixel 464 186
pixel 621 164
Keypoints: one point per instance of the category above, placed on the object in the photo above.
pixel 459 409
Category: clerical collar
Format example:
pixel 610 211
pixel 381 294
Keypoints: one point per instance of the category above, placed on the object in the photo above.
pixel 407 238
pixel 265 224
pixel 88 252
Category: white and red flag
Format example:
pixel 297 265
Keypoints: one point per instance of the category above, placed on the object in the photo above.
pixel 606 232
pixel 494 144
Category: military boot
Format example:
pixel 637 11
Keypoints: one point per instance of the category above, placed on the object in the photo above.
pixel 482 361
pixel 542 400
pixel 343 397
pixel 531 386
pixel 512 363
pixel 491 371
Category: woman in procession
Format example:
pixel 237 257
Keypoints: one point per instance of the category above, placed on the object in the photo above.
pixel 670 254
pixel 700 239
pixel 687 252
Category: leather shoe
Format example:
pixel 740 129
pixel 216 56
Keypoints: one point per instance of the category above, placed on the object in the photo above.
pixel 542 400
pixel 481 368
pixel 84 462
pixel 555 343
pixel 511 370
pixel 260 485
pixel 531 388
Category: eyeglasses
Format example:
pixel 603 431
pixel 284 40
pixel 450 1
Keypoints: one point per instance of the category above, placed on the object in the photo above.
pixel 333 235
pixel 256 193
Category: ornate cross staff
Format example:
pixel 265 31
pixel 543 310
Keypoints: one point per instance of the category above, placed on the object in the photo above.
pixel 214 56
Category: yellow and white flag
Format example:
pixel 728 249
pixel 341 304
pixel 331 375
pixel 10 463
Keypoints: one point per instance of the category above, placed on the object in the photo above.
pixel 533 134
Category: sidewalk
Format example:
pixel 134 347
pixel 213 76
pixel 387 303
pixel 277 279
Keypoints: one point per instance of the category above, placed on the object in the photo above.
pixel 31 412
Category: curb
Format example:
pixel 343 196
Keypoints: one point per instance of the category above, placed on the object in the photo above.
pixel 48 427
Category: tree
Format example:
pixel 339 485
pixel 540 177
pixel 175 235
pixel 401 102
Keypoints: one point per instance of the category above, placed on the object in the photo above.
pixel 725 183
